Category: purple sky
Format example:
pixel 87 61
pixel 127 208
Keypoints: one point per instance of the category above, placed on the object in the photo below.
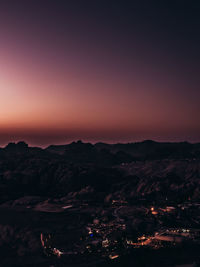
pixel 99 71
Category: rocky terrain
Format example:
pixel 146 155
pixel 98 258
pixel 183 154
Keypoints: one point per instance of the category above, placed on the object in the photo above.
pixel 107 188
pixel 62 170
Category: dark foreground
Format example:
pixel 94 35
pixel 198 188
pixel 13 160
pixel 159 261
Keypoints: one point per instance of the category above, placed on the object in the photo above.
pixel 68 233
pixel 82 205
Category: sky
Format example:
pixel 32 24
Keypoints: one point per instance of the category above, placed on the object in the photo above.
pixel 112 71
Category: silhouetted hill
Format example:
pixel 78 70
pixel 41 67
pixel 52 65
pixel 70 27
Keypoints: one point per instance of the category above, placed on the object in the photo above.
pixel 123 170
pixel 155 150
pixel 79 152
pixel 145 150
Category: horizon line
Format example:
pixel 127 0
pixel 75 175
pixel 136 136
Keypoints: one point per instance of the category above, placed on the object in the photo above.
pixel 97 142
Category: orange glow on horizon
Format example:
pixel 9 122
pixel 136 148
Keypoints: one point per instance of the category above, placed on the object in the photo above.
pixel 75 77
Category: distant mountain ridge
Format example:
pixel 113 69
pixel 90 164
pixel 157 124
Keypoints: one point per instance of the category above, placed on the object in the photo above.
pixel 116 153
pixel 147 149
pixel 127 171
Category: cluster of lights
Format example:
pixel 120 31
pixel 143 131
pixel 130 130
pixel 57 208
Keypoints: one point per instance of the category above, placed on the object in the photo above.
pixel 57 252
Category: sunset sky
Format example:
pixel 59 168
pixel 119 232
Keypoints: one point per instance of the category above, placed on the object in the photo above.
pixel 99 71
